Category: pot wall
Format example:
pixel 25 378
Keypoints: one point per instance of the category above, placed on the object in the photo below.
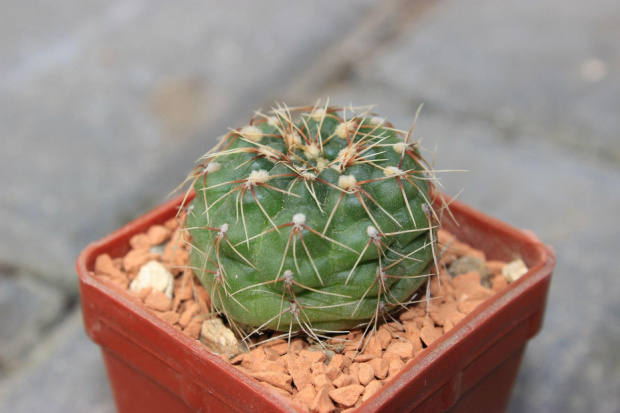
pixel 154 368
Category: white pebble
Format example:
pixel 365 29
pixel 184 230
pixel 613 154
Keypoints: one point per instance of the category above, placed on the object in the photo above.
pixel 219 338
pixel 514 270
pixel 153 274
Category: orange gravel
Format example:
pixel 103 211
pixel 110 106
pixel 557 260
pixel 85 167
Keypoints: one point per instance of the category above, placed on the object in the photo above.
pixel 348 370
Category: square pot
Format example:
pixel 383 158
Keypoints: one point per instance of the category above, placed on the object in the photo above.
pixel 152 367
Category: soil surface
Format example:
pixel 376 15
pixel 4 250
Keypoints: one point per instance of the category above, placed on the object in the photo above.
pixel 337 375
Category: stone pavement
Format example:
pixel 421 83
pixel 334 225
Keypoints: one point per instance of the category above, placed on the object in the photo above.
pixel 106 104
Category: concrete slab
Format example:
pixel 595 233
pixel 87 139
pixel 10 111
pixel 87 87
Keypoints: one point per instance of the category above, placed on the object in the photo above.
pixel 98 97
pixel 29 309
pixel 548 67
pixel 64 375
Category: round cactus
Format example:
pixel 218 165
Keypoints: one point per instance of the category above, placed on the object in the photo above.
pixel 315 219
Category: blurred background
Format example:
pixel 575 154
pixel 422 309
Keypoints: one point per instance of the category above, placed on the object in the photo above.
pixel 105 105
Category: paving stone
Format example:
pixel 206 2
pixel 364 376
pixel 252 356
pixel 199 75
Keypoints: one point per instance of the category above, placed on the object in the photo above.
pixel 29 308
pixel 65 375
pixel 552 66
pixel 99 97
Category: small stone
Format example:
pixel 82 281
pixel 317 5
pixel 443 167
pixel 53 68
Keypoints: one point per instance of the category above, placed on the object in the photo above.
pixel 439 313
pixel 193 329
pixel 499 282
pixel 496 266
pixel 364 357
pixel 407 315
pixel 395 366
pixel 441 286
pixel 279 380
pixel 345 380
pixel 306 395
pixel 238 359
pixel 321 380
pixel 448 325
pixel 380 367
pixel 140 242
pixel 365 374
pixel 468 264
pixel 514 270
pixel 271 355
pixel 184 289
pixel 120 279
pixel 318 368
pixel 322 348
pixel 413 333
pixel 249 362
pixel 157 234
pixel 312 356
pixel 430 334
pixel 402 349
pixel 172 223
pixel 189 313
pixel 339 362
pixel 296 346
pixel 153 274
pixel 280 348
pixel 332 372
pixel 273 365
pixel 145 292
pixel 104 265
pixel 219 338
pixel 395 327
pixel 118 263
pixel 457 247
pixel 177 257
pixel 354 370
pixel 471 277
pixel 350 355
pixel 347 396
pixel 372 387
pixel 158 301
pixel 171 317
pixel 136 259
pixel 384 336
pixel 203 300
pixel 259 361
pixel 274 389
pixel 373 347
pixel 300 372
pixel 455 318
pixel 468 306
pixel 322 403
pixel 467 287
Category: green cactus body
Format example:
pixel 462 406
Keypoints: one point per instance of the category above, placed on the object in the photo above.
pixel 313 219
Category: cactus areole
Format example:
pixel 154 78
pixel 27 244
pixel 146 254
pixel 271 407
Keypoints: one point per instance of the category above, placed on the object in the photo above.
pixel 316 219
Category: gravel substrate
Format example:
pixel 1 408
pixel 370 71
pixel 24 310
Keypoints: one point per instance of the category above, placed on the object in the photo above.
pixel 339 374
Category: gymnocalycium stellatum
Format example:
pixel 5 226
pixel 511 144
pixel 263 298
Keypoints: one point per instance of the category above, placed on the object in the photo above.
pixel 312 219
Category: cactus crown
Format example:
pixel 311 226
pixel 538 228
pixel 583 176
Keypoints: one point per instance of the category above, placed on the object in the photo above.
pixel 313 219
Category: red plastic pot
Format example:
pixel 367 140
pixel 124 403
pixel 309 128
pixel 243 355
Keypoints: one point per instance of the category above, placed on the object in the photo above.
pixel 154 368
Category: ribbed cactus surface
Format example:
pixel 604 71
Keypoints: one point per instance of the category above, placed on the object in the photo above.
pixel 314 219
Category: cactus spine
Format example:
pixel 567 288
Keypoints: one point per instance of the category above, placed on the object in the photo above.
pixel 313 219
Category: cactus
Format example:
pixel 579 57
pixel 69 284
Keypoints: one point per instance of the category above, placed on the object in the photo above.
pixel 313 219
